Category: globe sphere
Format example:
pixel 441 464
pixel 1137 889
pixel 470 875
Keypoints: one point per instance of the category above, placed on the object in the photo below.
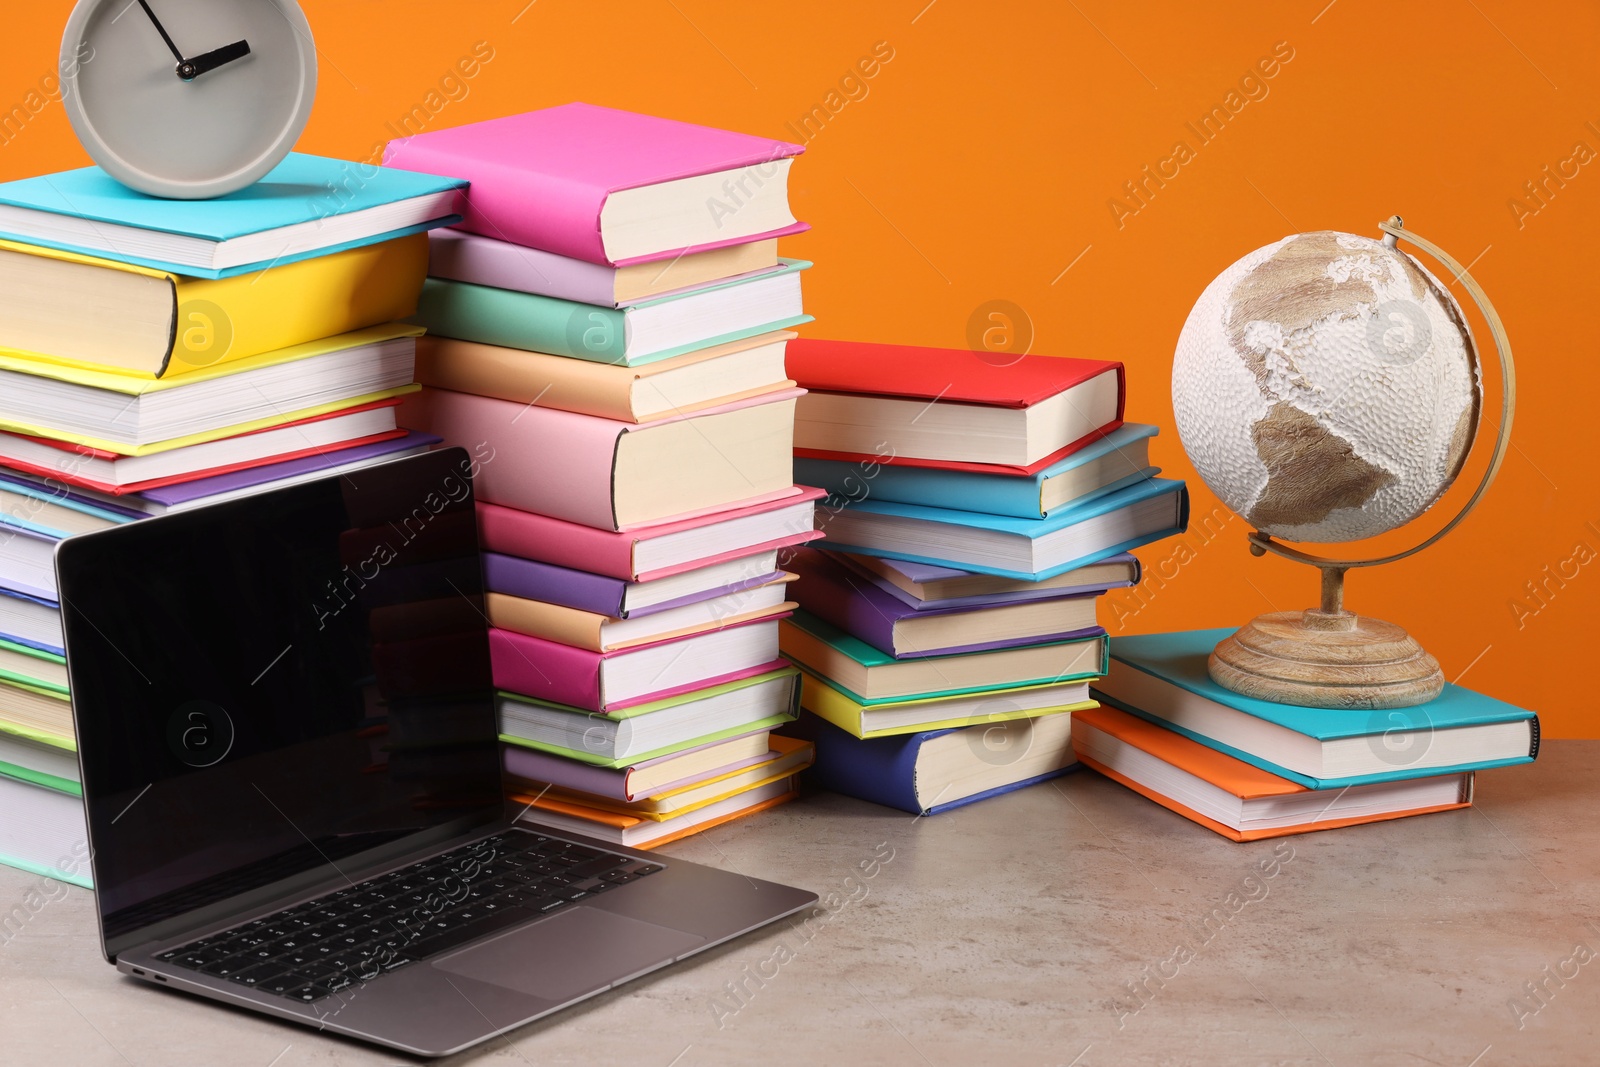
pixel 1326 388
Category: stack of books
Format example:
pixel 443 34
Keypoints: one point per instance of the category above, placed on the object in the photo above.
pixel 976 513
pixel 1251 769
pixel 607 333
pixel 160 354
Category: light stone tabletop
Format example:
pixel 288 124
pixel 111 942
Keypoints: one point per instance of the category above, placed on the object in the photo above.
pixel 1069 923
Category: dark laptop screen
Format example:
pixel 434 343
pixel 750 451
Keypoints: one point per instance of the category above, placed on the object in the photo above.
pixel 267 687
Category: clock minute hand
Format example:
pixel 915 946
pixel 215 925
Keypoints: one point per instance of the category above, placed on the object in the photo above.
pixel 192 68
pixel 162 31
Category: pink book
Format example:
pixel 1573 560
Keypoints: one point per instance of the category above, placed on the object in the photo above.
pixel 646 553
pixel 613 475
pixel 615 681
pixel 558 179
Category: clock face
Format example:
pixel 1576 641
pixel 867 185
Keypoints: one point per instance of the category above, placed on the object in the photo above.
pixel 188 98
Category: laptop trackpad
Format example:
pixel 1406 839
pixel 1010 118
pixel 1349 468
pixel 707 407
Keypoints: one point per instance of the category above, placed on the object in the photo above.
pixel 571 953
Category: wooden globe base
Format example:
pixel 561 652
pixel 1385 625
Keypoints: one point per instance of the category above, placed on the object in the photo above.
pixel 1323 659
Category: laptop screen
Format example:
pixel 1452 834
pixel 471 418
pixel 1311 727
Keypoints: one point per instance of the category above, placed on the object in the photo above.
pixel 266 688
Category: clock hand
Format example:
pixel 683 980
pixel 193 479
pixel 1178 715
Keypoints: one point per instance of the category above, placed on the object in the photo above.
pixel 162 31
pixel 192 68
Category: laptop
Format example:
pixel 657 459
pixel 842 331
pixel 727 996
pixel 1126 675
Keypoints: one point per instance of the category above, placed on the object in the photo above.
pixel 291 770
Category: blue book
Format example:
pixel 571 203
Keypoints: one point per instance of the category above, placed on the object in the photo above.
pixel 1163 678
pixel 1116 461
pixel 937 770
pixel 1030 549
pixel 32 621
pixel 305 206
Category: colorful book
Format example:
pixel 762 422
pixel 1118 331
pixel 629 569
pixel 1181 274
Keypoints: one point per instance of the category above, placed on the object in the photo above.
pixel 106 471
pixel 873 677
pixel 27 561
pixel 933 771
pixel 32 667
pixel 604 633
pixel 117 413
pixel 656 551
pixel 642 333
pixel 616 681
pixel 900 404
pixel 43 831
pixel 60 510
pixel 35 711
pixel 468 257
pixel 1115 461
pixel 837 595
pixel 32 621
pixel 641 779
pixel 924 585
pixel 1237 800
pixel 615 475
pixel 619 599
pixel 64 309
pixel 52 764
pixel 1163 678
pixel 631 831
pixel 681 385
pixel 722 709
pixel 1028 549
pixel 789 756
pixel 883 718
pixel 610 186
pixel 306 206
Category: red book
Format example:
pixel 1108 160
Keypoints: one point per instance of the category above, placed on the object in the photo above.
pixel 951 408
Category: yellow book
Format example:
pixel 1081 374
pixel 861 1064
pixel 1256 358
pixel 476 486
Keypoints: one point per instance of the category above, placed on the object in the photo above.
pixel 938 712
pixel 81 311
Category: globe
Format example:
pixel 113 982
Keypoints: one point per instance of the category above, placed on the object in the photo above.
pixel 1326 387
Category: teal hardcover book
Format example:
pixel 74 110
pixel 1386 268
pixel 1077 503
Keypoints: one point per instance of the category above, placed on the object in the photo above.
pixel 1030 549
pixel 869 658
pixel 1163 678
pixel 305 206
pixel 628 336
pixel 1121 455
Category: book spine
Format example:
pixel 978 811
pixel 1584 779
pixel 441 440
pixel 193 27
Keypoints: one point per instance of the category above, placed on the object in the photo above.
pixel 563 544
pixel 882 770
pixel 535 580
pixel 545 670
pixel 536 766
pixel 465 257
pixel 527 378
pixel 996 494
pixel 523 320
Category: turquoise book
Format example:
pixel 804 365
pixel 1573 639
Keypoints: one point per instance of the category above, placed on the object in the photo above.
pixel 1029 549
pixel 305 206
pixel 1163 679
pixel 633 335
pixel 1115 461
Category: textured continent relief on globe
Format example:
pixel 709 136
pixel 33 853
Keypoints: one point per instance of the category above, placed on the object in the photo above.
pixel 1364 386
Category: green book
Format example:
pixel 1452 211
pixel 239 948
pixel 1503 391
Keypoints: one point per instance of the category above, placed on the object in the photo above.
pixel 651 330
pixel 32 668
pixel 869 676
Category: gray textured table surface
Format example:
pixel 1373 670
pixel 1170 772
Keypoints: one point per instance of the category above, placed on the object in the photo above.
pixel 1064 924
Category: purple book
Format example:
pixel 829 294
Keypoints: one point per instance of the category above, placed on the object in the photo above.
pixel 536 766
pixel 927 572
pixel 839 596
pixel 187 493
pixel 599 593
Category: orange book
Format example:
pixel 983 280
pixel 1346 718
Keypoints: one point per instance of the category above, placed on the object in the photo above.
pixel 1234 798
pixel 630 831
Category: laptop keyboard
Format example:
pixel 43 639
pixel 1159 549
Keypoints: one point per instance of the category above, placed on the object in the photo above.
pixel 352 935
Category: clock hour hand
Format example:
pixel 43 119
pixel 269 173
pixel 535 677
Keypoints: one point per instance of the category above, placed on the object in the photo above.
pixel 162 31
pixel 193 68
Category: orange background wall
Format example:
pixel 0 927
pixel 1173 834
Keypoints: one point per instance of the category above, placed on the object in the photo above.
pixel 979 162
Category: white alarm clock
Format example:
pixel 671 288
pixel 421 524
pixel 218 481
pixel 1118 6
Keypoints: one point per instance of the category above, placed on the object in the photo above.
pixel 188 99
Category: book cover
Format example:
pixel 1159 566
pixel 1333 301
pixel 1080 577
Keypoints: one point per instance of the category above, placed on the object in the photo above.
pixel 917 574
pixel 568 544
pixel 883 770
pixel 844 709
pixel 1016 495
pixel 1179 659
pixel 534 765
pixel 606 391
pixel 576 479
pixel 844 599
pixel 568 160
pixel 534 323
pixel 219 323
pixel 369 451
pixel 1019 529
pixel 588 630
pixel 586 591
pixel 302 190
